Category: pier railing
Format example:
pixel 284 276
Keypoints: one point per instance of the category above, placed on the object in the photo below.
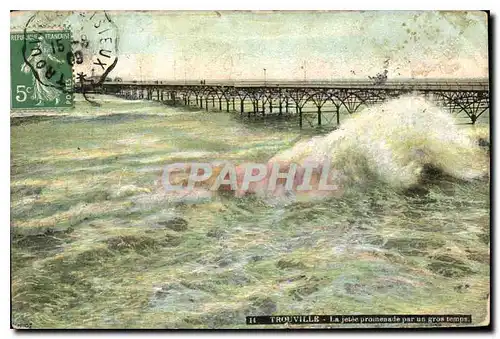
pixel 285 97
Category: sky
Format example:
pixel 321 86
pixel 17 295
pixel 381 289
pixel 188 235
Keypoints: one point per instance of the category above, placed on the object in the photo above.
pixel 167 45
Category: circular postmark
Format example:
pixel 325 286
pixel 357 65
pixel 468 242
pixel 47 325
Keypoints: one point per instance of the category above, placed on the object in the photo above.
pixel 94 46
pixel 43 50
pixel 89 49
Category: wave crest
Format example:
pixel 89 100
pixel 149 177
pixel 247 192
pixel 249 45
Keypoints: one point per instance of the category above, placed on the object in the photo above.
pixel 393 142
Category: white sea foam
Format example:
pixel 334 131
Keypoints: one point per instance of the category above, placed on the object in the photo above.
pixel 393 141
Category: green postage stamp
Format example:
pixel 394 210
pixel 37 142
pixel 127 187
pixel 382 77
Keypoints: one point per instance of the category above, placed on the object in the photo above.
pixel 41 69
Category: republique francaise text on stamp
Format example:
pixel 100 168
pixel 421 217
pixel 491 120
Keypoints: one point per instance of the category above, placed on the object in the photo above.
pixel 41 69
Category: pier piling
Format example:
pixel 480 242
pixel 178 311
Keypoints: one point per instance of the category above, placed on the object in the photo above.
pixel 468 97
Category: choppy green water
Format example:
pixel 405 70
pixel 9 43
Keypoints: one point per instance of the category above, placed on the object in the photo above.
pixel 96 244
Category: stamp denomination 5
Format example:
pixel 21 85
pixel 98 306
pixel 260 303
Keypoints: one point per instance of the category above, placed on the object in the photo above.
pixel 40 75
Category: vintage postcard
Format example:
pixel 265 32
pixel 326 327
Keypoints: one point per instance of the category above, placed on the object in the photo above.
pixel 249 169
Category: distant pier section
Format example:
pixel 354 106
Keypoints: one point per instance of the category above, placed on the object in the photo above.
pixel 314 102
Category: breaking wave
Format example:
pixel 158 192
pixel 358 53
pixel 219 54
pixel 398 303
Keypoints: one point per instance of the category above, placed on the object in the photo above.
pixel 394 142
